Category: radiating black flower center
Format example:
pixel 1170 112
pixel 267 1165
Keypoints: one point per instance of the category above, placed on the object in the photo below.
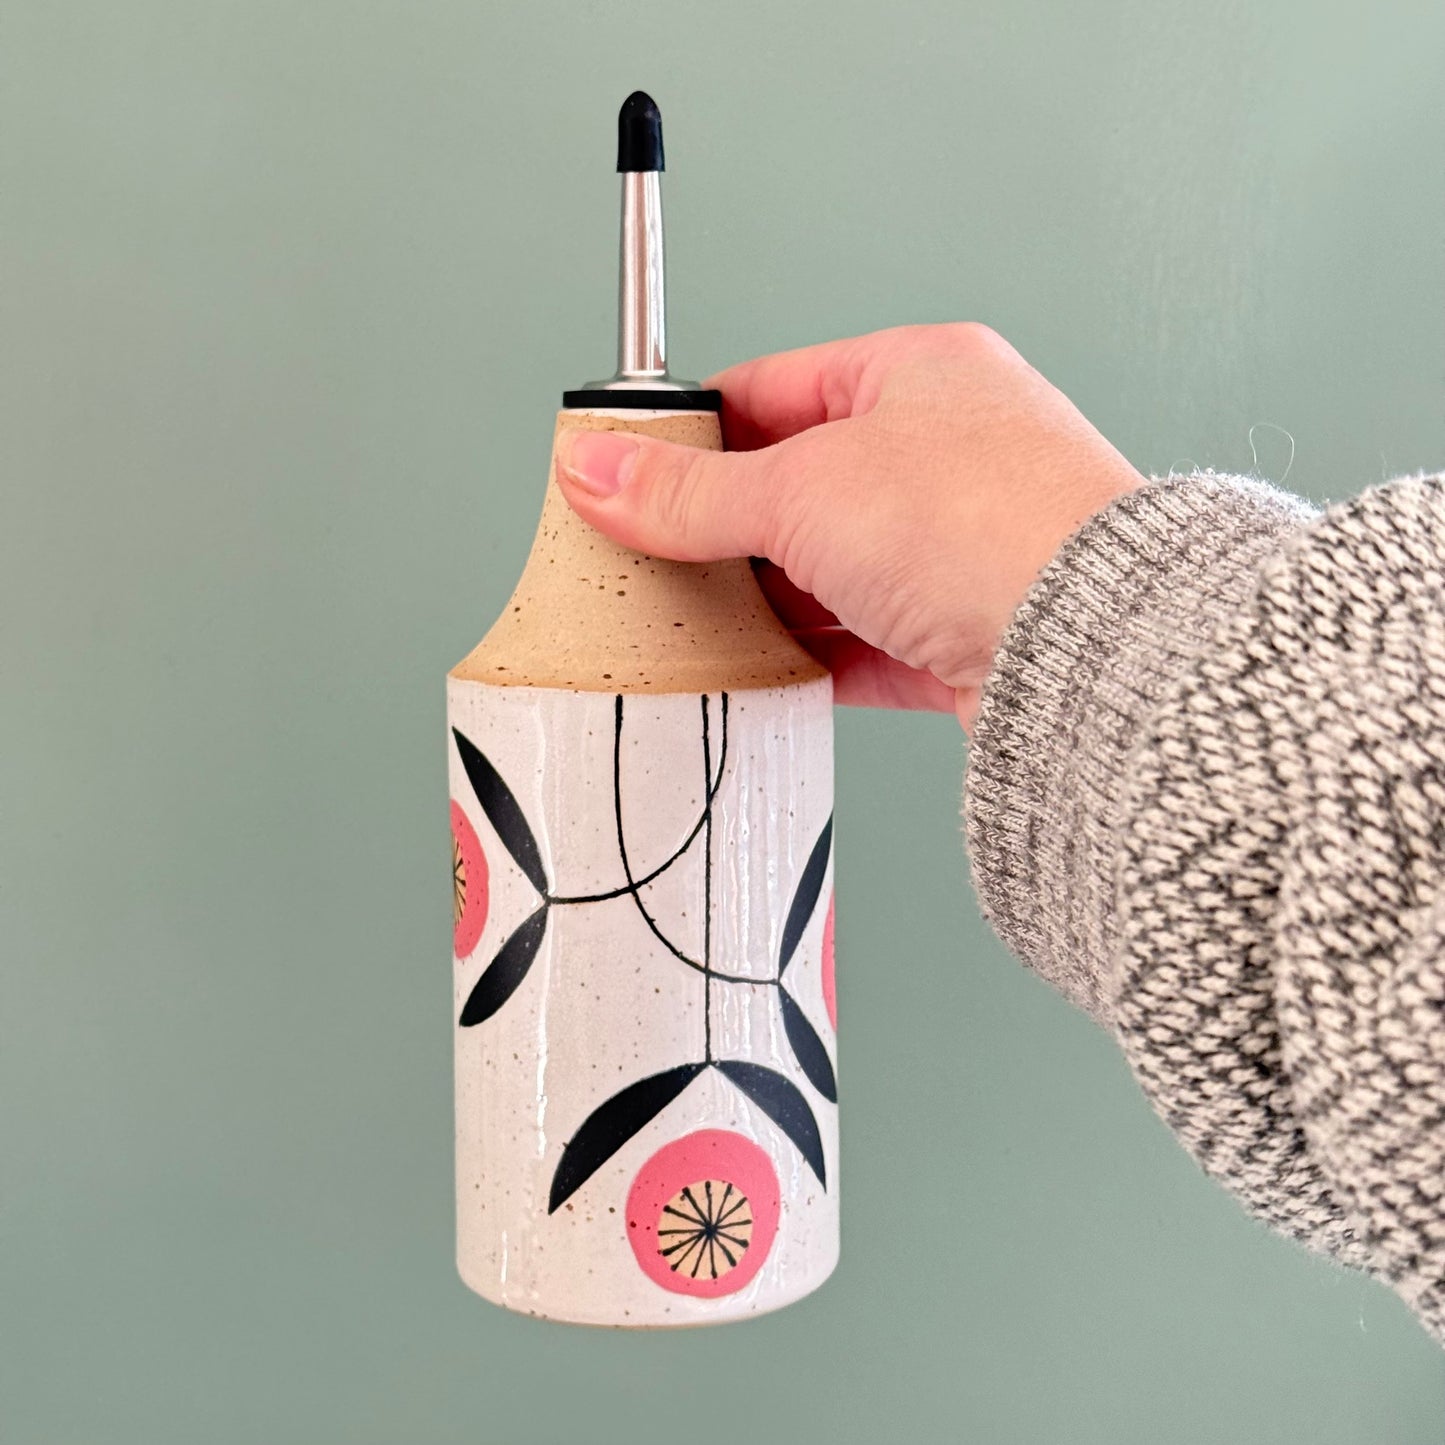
pixel 705 1229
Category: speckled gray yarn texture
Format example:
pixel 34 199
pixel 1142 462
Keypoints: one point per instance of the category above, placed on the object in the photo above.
pixel 1206 800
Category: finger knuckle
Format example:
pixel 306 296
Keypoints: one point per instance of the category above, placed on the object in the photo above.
pixel 974 338
pixel 678 496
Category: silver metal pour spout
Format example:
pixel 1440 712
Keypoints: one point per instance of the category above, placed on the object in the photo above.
pixel 642 281
pixel 642 288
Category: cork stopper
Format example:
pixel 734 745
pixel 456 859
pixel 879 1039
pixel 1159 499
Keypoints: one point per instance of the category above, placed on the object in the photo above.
pixel 592 616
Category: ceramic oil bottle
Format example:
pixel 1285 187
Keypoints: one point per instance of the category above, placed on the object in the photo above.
pixel 641 782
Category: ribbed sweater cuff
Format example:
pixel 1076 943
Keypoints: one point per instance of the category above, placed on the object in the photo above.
pixel 1129 600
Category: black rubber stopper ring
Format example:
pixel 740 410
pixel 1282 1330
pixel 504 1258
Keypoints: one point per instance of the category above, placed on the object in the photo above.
pixel 630 400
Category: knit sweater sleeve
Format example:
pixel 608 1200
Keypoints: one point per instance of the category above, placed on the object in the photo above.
pixel 1206 800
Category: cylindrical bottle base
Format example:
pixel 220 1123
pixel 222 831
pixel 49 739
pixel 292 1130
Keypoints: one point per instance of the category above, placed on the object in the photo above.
pixel 645 1079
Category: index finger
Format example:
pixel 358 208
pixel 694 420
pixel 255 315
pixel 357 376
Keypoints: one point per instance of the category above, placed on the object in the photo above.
pixel 774 397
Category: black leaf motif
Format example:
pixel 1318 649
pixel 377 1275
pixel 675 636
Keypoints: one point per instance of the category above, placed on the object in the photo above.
pixel 782 1102
pixel 504 812
pixel 506 971
pixel 806 898
pixel 808 1048
pixel 609 1126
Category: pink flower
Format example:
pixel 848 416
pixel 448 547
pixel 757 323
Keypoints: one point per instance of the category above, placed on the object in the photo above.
pixel 703 1212
pixel 469 885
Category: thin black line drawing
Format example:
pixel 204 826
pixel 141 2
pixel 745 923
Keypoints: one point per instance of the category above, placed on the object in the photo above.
pixel 621 1116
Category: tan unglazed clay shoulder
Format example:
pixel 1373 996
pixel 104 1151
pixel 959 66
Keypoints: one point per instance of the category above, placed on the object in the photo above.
pixel 591 615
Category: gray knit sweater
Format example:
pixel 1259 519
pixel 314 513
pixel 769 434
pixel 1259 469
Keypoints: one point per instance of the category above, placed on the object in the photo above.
pixel 1206 800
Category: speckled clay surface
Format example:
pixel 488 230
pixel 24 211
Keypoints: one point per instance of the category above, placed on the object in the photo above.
pixel 605 1004
pixel 641 782
pixel 590 614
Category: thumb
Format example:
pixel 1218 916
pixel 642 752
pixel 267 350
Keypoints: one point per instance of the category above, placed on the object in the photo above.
pixel 671 500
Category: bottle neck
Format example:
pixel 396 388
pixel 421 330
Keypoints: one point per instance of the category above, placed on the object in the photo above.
pixel 591 615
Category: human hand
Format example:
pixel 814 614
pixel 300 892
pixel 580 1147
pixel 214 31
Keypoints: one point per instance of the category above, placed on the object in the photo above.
pixel 905 489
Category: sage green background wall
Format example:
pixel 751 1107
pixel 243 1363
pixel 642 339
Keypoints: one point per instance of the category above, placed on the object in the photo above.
pixel 291 292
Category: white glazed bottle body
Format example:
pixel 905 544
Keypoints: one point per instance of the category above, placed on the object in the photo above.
pixel 644 1004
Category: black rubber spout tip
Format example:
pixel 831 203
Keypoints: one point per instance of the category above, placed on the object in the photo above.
pixel 639 134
